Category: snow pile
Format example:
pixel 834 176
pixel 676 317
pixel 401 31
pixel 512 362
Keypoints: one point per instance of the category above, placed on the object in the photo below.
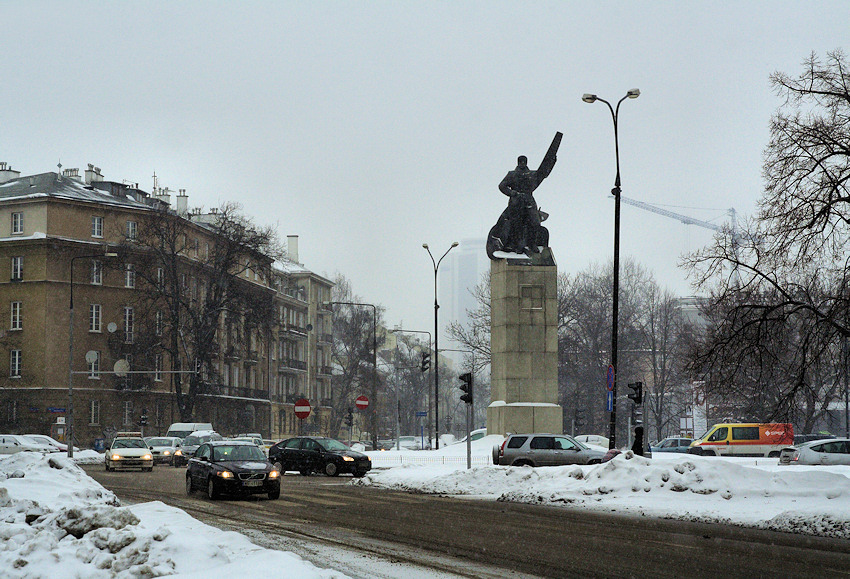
pixel 812 501
pixel 57 521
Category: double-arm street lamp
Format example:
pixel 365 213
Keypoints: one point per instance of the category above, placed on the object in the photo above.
pixel 591 98
pixel 373 395
pixel 70 425
pixel 436 344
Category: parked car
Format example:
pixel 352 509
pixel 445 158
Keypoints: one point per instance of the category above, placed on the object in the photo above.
pixel 129 453
pixel 801 438
pixel 476 434
pixel 44 439
pixel 824 451
pixel 672 444
pixel 14 443
pixel 744 440
pixel 232 467
pixel 191 444
pixel 592 440
pixel 309 454
pixel 164 448
pixel 544 450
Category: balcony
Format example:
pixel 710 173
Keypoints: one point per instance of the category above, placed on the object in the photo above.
pixel 325 370
pixel 290 364
pixel 293 330
pixel 232 354
pixel 251 357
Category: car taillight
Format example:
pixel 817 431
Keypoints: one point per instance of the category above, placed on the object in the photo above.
pixel 502 448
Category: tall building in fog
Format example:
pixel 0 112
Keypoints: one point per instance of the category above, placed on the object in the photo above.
pixel 459 274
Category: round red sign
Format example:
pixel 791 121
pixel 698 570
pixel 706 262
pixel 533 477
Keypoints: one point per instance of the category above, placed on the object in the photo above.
pixel 302 408
pixel 362 402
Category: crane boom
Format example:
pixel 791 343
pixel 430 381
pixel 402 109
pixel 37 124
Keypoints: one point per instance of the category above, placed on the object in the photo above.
pixel 678 216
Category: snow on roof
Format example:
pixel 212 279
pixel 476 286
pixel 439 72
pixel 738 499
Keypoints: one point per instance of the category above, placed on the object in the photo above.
pixel 52 185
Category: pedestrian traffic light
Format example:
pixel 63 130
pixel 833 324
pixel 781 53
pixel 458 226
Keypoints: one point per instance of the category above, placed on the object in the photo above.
pixel 637 392
pixel 143 421
pixel 349 418
pixel 466 386
pixel 425 365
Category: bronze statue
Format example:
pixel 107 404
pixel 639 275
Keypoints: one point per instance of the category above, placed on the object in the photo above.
pixel 519 228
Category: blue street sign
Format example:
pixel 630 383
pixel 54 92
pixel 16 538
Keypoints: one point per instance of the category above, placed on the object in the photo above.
pixel 421 413
pixel 610 401
pixel 54 409
pixel 610 378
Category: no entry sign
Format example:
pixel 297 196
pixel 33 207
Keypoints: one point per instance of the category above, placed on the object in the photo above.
pixel 362 403
pixel 302 408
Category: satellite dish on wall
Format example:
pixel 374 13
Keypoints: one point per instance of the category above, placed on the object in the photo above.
pixel 111 327
pixel 91 356
pixel 121 367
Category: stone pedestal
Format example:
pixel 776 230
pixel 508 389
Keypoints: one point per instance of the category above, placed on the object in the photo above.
pixel 524 345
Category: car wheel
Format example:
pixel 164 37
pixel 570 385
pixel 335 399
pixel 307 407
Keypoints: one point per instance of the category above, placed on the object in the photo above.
pixel 274 495
pixel 212 492
pixel 331 469
pixel 496 449
pixel 189 487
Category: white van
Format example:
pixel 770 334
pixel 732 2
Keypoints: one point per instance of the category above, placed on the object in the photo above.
pixel 184 429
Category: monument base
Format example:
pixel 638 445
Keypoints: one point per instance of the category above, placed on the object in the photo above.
pixel 519 417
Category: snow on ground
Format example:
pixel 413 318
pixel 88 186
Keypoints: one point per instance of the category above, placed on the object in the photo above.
pixel 58 522
pixel 754 492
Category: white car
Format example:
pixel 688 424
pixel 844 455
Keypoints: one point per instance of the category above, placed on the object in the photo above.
pixel 129 453
pixel 44 439
pixel 164 448
pixel 594 439
pixel 14 443
pixel 829 451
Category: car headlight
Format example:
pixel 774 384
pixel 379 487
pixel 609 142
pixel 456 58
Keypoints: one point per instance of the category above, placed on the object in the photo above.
pixel 178 453
pixel 147 457
pixel 166 453
pixel 274 474
pixel 225 474
pixel 115 457
pixel 347 459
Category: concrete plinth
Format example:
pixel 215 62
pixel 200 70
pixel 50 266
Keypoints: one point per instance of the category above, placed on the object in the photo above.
pixel 524 345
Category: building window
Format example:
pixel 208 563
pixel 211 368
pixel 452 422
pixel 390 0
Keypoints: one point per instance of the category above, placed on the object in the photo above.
pixel 131 230
pixel 17 268
pixel 15 322
pixel 94 366
pixel 94 412
pixel 12 411
pixel 158 323
pixel 130 276
pixel 96 226
pixel 160 278
pixel 17 223
pixel 128 412
pixel 159 412
pixel 96 272
pixel 94 317
pixel 129 323
pixel 15 364
pixel 157 368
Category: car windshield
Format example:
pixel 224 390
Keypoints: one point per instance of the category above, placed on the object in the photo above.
pixel 331 444
pixel 128 443
pixel 238 452
pixel 160 442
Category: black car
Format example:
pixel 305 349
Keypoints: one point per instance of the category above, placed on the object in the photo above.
pixel 231 467
pixel 308 454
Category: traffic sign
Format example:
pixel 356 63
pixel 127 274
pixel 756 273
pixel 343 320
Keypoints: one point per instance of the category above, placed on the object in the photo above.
pixel 362 403
pixel 610 401
pixel 421 413
pixel 302 408
pixel 610 378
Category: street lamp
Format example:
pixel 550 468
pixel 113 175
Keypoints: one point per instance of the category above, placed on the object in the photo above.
pixel 591 98
pixel 436 344
pixel 374 392
pixel 70 425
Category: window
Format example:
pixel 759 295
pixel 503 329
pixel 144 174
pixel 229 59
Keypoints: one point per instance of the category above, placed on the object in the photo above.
pixel 15 321
pixel 94 317
pixel 128 412
pixel 96 272
pixel 158 323
pixel 719 434
pixel 517 441
pixel 130 276
pixel 17 268
pixel 17 223
pixel 160 277
pixel 15 364
pixel 131 230
pixel 96 226
pixel 129 323
pixel 12 411
pixel 94 366
pixel 542 442
pixel 94 412
pixel 157 368
pixel 745 433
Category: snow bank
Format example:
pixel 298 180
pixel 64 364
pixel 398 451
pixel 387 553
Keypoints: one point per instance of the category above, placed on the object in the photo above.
pixel 58 522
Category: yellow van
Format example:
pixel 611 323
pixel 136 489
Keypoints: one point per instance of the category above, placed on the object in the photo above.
pixel 751 439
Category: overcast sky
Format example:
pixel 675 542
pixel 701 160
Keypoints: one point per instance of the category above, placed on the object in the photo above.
pixel 368 128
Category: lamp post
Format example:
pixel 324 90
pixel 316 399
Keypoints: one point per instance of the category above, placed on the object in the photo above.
pixel 374 391
pixel 591 98
pixel 70 425
pixel 400 331
pixel 436 344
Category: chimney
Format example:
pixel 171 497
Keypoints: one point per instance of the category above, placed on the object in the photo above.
pixel 162 195
pixel 72 174
pixel 182 203
pixel 93 175
pixel 7 173
pixel 292 248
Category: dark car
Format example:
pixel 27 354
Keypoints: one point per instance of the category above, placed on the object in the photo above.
pixel 191 444
pixel 229 467
pixel 308 454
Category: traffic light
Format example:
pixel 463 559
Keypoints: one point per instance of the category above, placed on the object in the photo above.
pixel 425 365
pixel 143 420
pixel 636 393
pixel 349 418
pixel 466 386
pixel 579 417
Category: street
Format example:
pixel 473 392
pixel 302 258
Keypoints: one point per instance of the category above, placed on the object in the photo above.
pixel 441 536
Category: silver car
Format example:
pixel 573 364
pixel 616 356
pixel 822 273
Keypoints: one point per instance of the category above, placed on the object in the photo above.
pixel 828 451
pixel 544 450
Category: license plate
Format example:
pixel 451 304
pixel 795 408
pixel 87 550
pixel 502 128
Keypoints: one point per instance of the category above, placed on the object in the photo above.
pixel 252 483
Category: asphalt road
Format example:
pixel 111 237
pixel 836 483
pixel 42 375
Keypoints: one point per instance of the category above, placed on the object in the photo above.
pixel 477 538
